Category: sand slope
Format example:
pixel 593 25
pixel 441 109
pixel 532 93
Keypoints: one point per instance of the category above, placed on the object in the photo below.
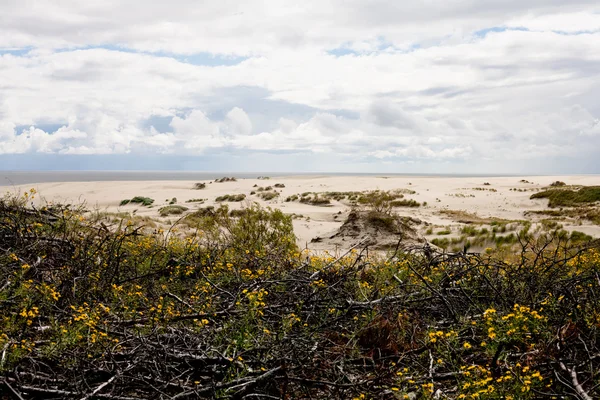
pixel 440 193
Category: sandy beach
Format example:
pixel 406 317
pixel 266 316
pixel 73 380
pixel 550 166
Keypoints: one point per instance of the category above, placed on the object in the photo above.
pixel 506 198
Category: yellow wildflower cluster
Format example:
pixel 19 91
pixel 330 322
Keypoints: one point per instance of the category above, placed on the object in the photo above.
pixel 49 292
pixel 256 299
pixel 437 335
pixel 521 322
pixel 30 314
pixel 247 274
pixel 319 283
pixel 479 382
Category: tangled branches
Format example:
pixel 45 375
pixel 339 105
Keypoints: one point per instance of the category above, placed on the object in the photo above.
pixel 90 311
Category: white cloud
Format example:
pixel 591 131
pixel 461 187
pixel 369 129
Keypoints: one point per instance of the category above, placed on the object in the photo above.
pixel 409 84
pixel 237 122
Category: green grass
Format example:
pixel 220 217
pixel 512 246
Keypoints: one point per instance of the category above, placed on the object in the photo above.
pixel 405 203
pixel 558 184
pixel 226 179
pixel 231 197
pixel 268 195
pixel 591 214
pixel 569 198
pixel 145 201
pixel 172 210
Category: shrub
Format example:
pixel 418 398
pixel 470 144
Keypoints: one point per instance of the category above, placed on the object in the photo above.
pixel 405 203
pixel 251 228
pixel 577 236
pixel 316 200
pixel 145 201
pixel 231 197
pixel 200 185
pixel 558 183
pixel 569 198
pixel 379 201
pixel 268 195
pixel 226 179
pixel 172 210
pixel 95 311
pixel 194 218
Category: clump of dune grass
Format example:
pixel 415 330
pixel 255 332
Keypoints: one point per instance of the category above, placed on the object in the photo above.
pixel 231 197
pixel 569 198
pixel 315 200
pixel 405 203
pixel 466 217
pixel 172 210
pixel 558 184
pixel 226 179
pixel 142 200
pixel 268 195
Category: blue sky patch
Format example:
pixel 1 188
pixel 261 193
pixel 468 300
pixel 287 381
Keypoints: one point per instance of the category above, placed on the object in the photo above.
pixel 497 29
pixel 16 52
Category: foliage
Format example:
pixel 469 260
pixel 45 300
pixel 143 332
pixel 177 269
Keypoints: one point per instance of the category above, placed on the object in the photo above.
pixel 268 195
pixel 250 229
pixel 379 201
pixel 231 197
pixel 195 201
pixel 172 210
pixel 315 200
pixel 569 198
pixel 234 310
pixel 405 203
pixel 226 179
pixel 145 201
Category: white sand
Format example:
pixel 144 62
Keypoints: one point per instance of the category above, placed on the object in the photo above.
pixel 439 192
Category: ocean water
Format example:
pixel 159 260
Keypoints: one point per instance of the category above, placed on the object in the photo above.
pixel 13 178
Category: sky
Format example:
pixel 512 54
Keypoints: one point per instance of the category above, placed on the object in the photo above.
pixel 431 86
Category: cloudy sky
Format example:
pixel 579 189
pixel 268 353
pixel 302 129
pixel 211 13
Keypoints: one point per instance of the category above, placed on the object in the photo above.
pixel 472 86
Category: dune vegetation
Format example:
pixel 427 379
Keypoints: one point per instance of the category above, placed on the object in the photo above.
pixel 569 198
pixel 227 306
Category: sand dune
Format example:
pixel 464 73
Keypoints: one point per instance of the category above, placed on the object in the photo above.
pixel 439 193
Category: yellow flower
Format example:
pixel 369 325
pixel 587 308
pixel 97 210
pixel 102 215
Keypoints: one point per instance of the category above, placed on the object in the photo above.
pixel 466 345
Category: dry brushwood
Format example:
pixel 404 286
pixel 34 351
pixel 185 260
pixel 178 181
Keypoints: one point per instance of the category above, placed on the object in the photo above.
pixel 96 312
